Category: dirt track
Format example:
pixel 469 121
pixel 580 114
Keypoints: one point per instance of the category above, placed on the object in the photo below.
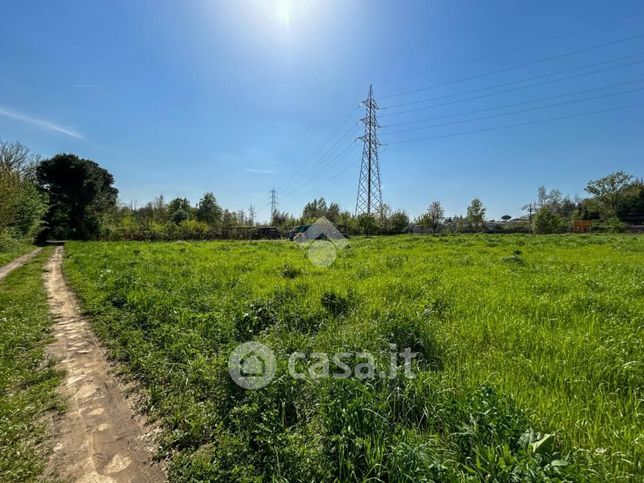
pixel 17 263
pixel 99 438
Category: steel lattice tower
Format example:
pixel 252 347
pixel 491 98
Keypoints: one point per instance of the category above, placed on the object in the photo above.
pixel 369 198
pixel 273 201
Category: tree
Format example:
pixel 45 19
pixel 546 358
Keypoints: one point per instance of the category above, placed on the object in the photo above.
pixel 433 217
pixel 282 220
pixel 22 205
pixel 346 221
pixel 506 218
pixel 608 192
pixel 476 214
pixel 314 210
pixel 179 210
pixel 333 212
pixel 179 204
pixel 80 192
pixel 208 210
pixel 399 221
pixel 631 206
pixel 367 224
pixel 30 210
pixel 382 216
pixel 179 215
pixel 18 158
pixel 546 221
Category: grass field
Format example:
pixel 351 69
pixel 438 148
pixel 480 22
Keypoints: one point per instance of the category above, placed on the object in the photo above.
pixel 518 336
pixel 27 379
pixel 13 250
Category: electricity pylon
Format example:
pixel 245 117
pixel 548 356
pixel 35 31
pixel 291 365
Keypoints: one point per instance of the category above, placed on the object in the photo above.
pixel 273 194
pixel 369 198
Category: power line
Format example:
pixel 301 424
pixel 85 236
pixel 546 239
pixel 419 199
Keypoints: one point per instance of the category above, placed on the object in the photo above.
pixel 341 155
pixel 298 176
pixel 525 79
pixel 512 49
pixel 405 123
pixel 549 106
pixel 518 66
pixel 310 171
pixel 318 186
pixel 537 84
pixel 506 126
pixel 326 161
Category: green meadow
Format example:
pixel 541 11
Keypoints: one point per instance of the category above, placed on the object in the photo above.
pixel 11 249
pixel 28 379
pixel 529 362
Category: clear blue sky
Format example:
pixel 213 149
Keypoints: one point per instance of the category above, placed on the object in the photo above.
pixel 235 97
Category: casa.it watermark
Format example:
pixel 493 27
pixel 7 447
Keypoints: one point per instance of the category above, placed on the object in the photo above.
pixel 253 365
pixel 321 240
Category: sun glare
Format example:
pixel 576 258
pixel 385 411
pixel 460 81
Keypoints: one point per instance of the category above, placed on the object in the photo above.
pixel 283 11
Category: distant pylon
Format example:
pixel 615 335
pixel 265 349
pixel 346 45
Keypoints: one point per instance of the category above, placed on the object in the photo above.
pixel 273 194
pixel 369 198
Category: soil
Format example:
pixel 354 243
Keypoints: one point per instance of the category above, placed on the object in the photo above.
pixel 100 437
pixel 17 263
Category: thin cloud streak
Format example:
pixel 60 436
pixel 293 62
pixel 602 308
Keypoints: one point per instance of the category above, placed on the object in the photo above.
pixel 260 171
pixel 41 123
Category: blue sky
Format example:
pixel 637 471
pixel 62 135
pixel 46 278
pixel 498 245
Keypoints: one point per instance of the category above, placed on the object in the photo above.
pixel 236 97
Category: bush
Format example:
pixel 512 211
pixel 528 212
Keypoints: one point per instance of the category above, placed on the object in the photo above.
pixel 7 242
pixel 546 221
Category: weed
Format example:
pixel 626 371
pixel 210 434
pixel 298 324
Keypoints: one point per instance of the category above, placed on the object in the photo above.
pixel 546 342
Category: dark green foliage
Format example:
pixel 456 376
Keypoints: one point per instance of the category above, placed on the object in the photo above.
pixel 80 193
pixel 335 303
pixel 208 210
pixel 179 215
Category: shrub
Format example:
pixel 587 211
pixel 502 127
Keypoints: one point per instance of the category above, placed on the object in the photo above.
pixel 546 221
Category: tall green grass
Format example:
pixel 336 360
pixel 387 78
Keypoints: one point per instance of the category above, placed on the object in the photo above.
pixel 11 249
pixel 27 378
pixel 518 336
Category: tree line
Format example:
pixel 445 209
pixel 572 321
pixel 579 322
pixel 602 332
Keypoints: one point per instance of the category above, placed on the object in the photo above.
pixel 68 197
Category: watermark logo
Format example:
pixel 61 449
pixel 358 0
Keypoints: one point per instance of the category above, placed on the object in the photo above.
pixel 322 240
pixel 252 365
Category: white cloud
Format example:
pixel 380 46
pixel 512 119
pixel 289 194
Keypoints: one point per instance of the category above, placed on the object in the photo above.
pixel 260 171
pixel 41 123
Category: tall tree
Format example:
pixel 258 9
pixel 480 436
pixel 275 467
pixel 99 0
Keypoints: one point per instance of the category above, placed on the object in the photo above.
pixel 399 221
pixel 476 214
pixel 208 210
pixel 22 205
pixel 608 192
pixel 433 217
pixel 80 193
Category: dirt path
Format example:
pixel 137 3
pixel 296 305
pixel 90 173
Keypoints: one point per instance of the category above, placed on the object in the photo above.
pixel 17 263
pixel 99 438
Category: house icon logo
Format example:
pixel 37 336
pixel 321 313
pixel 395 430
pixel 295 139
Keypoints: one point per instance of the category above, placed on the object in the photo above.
pixel 322 240
pixel 252 365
